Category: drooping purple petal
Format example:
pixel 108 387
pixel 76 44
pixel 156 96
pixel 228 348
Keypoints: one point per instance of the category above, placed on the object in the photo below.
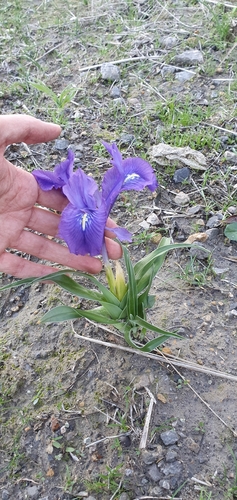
pixel 83 230
pixel 131 173
pixel 82 191
pixel 138 174
pixel 59 177
pixel 121 233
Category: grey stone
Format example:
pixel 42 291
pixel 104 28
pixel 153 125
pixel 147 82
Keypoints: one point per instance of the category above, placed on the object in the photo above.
pixel 194 210
pixel 193 57
pixel 32 492
pixel 182 199
pixel 61 144
pixel 149 457
pixel 156 491
pixel 110 72
pixel 128 472
pixel 126 139
pixel 181 174
pixel 166 70
pixel 171 455
pixel 124 496
pixel 154 473
pixel 169 41
pixel 164 484
pixel 153 219
pixel 200 252
pixel 44 498
pixel 184 76
pixel 214 221
pixel 220 270
pixel 172 469
pixel 169 437
pixel 5 495
pixel 115 92
pixel 212 233
pixel 91 498
pixel 230 157
pixel 232 210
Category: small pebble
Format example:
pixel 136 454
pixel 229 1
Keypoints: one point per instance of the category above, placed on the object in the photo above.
pixel 169 437
pixel 61 144
pixel 181 175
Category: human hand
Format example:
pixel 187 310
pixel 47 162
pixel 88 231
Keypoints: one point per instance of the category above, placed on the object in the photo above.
pixel 19 194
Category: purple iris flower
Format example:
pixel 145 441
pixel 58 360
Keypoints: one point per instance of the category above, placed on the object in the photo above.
pixel 59 177
pixel 83 221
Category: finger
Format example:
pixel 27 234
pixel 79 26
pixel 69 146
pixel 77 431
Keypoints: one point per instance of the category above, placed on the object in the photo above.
pixel 114 250
pixel 24 128
pixel 23 268
pixel 49 250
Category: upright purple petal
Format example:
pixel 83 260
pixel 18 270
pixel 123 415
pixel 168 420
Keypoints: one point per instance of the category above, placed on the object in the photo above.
pixel 111 186
pixel 59 177
pixel 83 230
pixel 116 155
pixel 82 191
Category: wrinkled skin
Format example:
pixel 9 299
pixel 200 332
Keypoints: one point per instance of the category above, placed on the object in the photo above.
pixel 19 194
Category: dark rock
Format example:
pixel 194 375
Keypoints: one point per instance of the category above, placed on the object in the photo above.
pixel 154 473
pixel 172 469
pixel 115 92
pixel 181 174
pixel 171 455
pixel 5 495
pixel 126 139
pixel 169 437
pixel 200 252
pixel 214 221
pixel 149 457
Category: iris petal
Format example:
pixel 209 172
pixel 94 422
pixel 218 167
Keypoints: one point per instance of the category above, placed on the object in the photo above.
pixel 138 174
pixel 121 233
pixel 116 155
pixel 59 177
pixel 83 229
pixel 81 190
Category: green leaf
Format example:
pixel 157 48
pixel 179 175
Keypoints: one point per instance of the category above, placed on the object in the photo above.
pixel 132 298
pixel 153 258
pixel 114 311
pixel 231 231
pixel 67 283
pixel 75 288
pixel 144 324
pixel 60 313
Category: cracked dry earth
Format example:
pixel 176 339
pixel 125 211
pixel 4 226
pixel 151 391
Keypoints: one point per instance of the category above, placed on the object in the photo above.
pixel 73 412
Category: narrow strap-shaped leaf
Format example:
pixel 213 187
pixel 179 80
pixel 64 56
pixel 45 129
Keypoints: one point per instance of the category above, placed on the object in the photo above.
pixel 132 299
pixel 60 313
pixel 145 324
pixel 153 344
pixel 144 264
pixel 75 288
pixel 113 310
pixel 64 313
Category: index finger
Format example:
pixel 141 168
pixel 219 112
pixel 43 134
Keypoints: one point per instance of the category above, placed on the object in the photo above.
pixel 24 128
